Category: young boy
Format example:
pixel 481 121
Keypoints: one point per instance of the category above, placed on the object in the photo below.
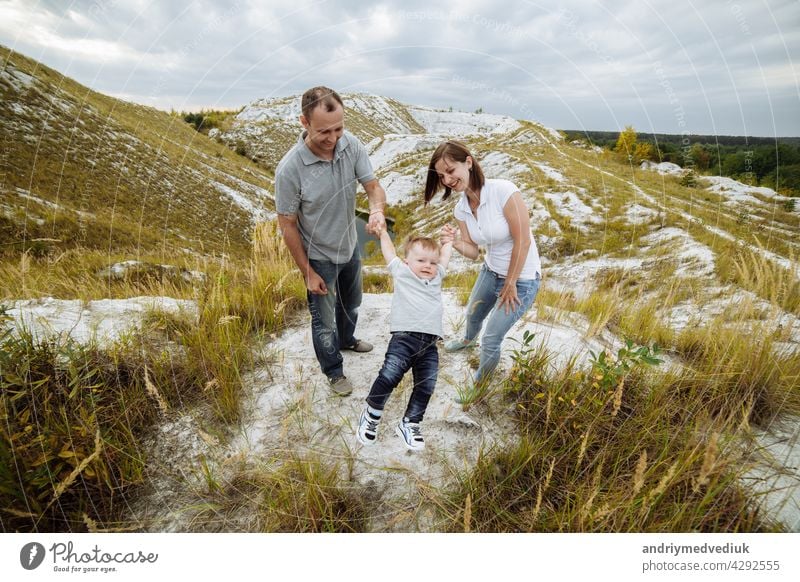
pixel 416 326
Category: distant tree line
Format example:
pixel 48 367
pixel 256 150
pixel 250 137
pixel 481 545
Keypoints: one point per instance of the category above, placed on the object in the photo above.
pixel 758 161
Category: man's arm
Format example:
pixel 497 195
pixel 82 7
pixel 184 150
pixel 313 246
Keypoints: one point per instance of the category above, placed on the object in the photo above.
pixel 377 204
pixel 294 242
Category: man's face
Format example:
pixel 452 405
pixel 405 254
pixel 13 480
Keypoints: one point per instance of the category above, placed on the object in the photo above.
pixel 324 129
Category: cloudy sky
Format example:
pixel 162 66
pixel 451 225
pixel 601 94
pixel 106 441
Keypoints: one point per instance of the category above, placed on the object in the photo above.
pixel 671 66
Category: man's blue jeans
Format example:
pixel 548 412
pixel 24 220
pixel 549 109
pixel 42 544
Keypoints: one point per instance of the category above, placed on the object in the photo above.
pixel 482 301
pixel 414 351
pixel 334 316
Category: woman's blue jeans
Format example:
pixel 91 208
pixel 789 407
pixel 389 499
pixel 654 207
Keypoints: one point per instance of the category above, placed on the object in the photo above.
pixel 334 316
pixel 408 350
pixel 482 303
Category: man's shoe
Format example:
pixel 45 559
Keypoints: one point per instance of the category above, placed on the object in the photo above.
pixel 367 428
pixel 412 435
pixel 460 344
pixel 360 346
pixel 341 386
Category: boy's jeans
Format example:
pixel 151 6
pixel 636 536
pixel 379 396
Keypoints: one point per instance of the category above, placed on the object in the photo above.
pixel 334 316
pixel 483 300
pixel 414 350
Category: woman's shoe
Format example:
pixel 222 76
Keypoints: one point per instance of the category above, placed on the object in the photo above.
pixel 459 344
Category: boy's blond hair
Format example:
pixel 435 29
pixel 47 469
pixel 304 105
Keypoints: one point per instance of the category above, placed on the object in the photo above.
pixel 425 242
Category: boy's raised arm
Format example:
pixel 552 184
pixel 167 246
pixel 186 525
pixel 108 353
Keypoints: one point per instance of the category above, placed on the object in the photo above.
pixel 446 240
pixel 387 248
pixel 446 252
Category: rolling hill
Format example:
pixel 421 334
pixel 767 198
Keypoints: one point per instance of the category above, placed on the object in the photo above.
pixel 630 254
pixel 80 169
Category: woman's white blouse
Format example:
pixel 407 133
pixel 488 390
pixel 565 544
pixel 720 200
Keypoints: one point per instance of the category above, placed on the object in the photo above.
pixel 490 229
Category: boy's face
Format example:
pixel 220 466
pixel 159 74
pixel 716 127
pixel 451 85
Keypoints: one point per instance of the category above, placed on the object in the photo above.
pixel 422 262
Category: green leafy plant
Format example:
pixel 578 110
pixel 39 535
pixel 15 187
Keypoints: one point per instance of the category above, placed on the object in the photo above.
pixel 609 373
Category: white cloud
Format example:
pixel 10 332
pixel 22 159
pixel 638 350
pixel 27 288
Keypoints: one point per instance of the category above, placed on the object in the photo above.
pixel 594 63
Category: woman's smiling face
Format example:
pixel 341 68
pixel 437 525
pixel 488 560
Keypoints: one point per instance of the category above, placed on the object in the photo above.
pixel 453 174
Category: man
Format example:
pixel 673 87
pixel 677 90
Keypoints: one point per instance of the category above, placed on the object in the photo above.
pixel 315 192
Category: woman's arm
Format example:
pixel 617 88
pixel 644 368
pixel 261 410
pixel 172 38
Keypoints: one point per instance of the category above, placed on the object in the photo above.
pixel 519 224
pixel 464 244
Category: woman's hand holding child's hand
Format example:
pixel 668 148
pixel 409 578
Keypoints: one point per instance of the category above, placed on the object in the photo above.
pixel 447 235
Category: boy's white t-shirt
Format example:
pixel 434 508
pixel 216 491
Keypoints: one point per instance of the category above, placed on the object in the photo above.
pixel 416 303
pixel 490 229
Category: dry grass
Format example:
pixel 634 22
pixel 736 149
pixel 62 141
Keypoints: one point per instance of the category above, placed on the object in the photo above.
pixel 635 456
pixel 735 370
pixel 71 417
pixel 463 283
pixel 292 495
pixel 602 308
pixel 758 273
pixel 642 322
pixel 58 396
pixel 77 274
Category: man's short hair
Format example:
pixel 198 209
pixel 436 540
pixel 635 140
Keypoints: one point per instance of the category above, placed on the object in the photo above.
pixel 319 97
pixel 425 242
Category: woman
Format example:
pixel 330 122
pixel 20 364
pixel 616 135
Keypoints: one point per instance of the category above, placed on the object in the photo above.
pixel 490 213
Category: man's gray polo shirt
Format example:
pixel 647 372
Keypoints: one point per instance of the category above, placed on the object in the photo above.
pixel 322 194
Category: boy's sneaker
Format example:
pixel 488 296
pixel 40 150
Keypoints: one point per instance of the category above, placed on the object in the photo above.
pixel 341 386
pixel 367 427
pixel 460 344
pixel 412 434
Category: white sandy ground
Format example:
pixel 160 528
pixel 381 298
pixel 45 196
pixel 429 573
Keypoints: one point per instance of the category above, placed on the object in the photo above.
pixel 256 209
pixel 102 321
pixel 20 81
pixel 776 473
pixel 402 188
pixel 551 173
pixel 694 258
pixel 740 192
pixel 501 165
pixel 569 204
pixel 387 151
pixel 638 214
pixel 290 412
pixel 458 123
pixel 664 168
pixel 733 190
pixel 641 195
